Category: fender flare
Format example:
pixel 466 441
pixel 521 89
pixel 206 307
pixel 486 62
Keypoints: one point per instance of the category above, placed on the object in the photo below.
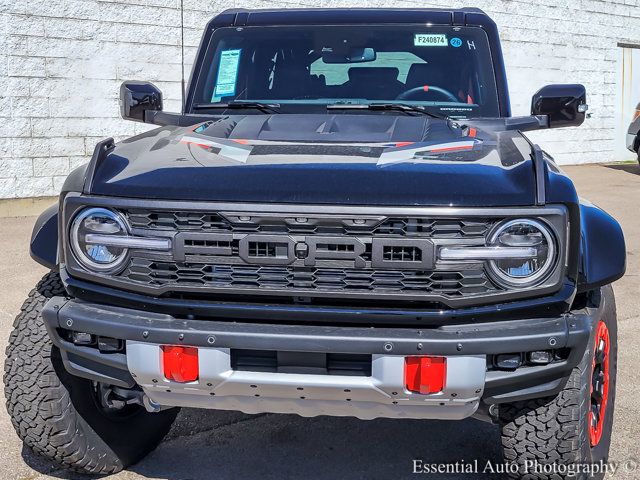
pixel 603 253
pixel 44 238
pixel 44 247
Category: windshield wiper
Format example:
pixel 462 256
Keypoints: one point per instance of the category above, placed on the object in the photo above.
pixel 263 107
pixel 401 107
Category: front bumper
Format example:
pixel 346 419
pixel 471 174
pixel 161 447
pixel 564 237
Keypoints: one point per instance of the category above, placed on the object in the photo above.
pixel 382 394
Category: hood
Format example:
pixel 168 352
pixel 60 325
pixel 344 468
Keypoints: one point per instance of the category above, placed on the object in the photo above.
pixel 323 159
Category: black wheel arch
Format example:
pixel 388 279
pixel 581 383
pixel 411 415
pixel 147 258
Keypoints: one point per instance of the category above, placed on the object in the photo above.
pixel 45 247
pixel 602 248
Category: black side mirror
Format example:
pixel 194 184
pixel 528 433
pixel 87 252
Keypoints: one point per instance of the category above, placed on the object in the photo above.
pixel 564 105
pixel 136 98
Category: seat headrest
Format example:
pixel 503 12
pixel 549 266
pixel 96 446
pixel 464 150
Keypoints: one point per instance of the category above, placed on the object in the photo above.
pixel 428 74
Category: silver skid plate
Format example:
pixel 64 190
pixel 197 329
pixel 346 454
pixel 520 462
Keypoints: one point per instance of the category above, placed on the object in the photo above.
pixel 380 395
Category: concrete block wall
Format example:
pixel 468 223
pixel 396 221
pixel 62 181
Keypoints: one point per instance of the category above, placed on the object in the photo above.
pixel 62 61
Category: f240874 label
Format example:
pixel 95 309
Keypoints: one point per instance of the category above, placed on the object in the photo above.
pixel 430 40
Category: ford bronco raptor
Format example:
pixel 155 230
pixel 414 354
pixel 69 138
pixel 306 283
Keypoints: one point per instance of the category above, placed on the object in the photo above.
pixel 345 219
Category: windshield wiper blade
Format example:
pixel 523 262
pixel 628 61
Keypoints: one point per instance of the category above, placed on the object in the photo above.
pixel 402 107
pixel 263 107
pixel 405 107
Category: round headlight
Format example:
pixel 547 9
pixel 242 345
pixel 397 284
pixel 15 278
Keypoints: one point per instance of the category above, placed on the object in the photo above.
pixel 88 242
pixel 529 234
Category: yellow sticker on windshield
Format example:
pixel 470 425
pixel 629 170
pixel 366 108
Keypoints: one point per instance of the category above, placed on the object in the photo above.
pixel 430 40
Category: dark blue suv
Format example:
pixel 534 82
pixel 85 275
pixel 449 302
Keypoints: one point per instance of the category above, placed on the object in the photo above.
pixel 344 219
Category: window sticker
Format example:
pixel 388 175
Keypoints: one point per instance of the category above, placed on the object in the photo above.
pixel 227 74
pixel 430 40
pixel 456 42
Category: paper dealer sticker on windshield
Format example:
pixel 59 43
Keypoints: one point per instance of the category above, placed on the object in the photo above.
pixel 430 40
pixel 227 73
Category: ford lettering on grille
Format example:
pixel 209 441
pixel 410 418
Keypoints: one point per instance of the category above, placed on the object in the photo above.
pixel 309 251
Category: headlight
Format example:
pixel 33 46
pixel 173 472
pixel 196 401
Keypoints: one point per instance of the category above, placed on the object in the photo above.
pixel 523 234
pixel 94 239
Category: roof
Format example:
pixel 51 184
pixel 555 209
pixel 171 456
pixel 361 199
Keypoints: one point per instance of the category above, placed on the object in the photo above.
pixel 351 16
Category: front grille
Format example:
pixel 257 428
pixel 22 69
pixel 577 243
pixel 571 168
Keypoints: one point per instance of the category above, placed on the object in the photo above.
pixel 306 256
pixel 313 255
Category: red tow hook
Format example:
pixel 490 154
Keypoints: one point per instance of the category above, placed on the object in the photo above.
pixel 424 374
pixel 180 363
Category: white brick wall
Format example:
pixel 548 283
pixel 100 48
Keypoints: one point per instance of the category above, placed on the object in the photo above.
pixel 62 61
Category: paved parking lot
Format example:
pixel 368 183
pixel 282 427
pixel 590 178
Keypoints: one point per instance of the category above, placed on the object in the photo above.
pixel 227 445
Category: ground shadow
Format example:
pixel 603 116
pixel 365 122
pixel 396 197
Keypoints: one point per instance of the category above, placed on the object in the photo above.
pixel 288 446
pixel 228 445
pixel 632 168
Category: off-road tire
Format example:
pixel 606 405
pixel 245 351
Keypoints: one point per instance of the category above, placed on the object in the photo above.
pixel 56 414
pixel 555 430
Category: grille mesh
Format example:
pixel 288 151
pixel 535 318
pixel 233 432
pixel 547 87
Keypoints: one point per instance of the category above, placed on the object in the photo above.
pixel 214 222
pixel 155 273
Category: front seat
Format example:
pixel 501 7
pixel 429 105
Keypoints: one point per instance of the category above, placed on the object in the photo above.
pixel 374 83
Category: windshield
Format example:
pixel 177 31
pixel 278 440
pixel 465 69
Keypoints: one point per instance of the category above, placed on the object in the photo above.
pixel 446 70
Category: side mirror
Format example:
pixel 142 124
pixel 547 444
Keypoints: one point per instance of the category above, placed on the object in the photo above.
pixel 564 105
pixel 136 98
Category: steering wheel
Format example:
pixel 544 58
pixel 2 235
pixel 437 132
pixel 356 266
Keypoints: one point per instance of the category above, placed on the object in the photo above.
pixel 430 88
